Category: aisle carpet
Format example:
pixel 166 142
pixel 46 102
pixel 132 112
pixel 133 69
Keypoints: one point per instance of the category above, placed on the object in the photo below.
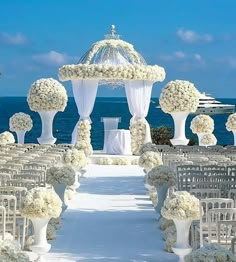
pixel 110 219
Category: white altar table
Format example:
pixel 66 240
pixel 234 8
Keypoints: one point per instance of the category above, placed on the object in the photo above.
pixel 119 142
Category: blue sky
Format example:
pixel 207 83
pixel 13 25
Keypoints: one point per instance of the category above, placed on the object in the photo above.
pixel 192 40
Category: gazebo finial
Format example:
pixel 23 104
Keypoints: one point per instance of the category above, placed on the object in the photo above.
pixel 113 30
pixel 112 34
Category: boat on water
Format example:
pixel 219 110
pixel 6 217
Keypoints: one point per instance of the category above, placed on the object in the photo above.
pixel 208 105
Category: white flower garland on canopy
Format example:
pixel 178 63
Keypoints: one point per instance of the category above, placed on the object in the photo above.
pixel 119 65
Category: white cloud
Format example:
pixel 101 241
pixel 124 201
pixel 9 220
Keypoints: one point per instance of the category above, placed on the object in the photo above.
pixel 179 54
pixel 198 57
pixel 53 58
pixel 232 62
pixel 190 36
pixel 17 39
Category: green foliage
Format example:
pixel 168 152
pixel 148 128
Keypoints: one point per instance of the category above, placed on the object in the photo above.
pixel 161 135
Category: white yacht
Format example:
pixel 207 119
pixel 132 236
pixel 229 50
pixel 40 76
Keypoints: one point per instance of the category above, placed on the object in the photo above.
pixel 209 106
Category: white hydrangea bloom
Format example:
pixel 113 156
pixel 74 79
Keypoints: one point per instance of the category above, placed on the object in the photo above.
pixel 75 158
pixel 209 140
pixel 20 122
pixel 41 202
pixel 47 94
pixel 160 175
pixel 148 147
pixel 10 251
pixel 60 175
pixel 181 205
pixel 137 132
pixel 211 253
pixel 179 96
pixel 202 124
pixel 6 138
pixel 231 122
pixel 83 137
pixel 125 72
pixel 150 159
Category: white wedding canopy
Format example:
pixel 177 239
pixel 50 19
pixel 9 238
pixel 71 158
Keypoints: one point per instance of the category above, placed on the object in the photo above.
pixel 112 62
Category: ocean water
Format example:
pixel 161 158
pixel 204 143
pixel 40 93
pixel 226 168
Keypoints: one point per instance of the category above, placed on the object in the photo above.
pixel 64 122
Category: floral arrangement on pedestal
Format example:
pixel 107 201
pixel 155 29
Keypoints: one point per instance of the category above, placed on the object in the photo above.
pixel 160 175
pixel 53 225
pixel 41 202
pixel 47 94
pixel 208 140
pixel 231 122
pixel 83 138
pixel 75 158
pixel 10 251
pixel 202 124
pixel 6 138
pixel 60 175
pixel 165 223
pixel 179 98
pixel 137 132
pixel 20 122
pixel 211 253
pixel 181 205
pixel 150 159
pixel 169 236
pixel 231 125
pixel 148 147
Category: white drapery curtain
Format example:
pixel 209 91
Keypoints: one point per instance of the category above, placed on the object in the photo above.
pixel 84 92
pixel 138 93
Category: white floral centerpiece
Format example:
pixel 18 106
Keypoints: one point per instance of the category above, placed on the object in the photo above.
pixel 104 161
pixel 179 98
pixel 181 205
pixel 150 159
pixel 41 202
pixel 6 138
pixel 208 140
pixel 165 223
pixel 231 122
pixel 202 124
pixel 83 137
pixel 137 132
pixel 160 175
pixel 47 94
pixel 211 253
pixel 60 175
pixel 148 147
pixel 75 158
pixel 10 251
pixel 20 121
pixel 231 125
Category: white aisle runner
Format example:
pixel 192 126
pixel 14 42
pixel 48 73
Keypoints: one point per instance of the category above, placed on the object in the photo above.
pixel 111 219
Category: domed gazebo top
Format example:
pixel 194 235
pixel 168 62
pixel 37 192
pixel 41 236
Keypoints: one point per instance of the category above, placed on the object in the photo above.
pixel 112 60
pixel 112 51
